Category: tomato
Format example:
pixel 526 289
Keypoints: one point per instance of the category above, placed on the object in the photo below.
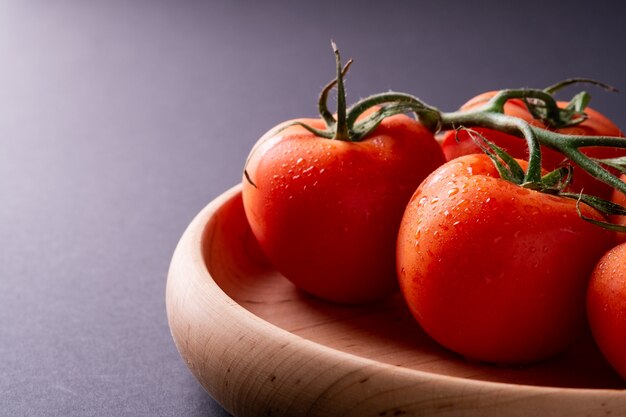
pixel 494 271
pixel 455 145
pixel 326 212
pixel 606 306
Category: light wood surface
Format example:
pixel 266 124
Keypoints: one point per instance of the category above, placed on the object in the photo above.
pixel 262 348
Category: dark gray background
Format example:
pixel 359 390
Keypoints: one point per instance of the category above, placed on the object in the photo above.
pixel 120 120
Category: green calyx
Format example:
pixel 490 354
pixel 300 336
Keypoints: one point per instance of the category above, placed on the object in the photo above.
pixel 554 182
pixel 544 107
pixel 347 124
pixel 510 170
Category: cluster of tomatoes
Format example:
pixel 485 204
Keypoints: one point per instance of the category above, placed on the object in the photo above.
pixel 490 269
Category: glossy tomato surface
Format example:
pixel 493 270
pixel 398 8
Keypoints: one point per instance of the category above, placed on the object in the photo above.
pixel 606 306
pixel 457 144
pixel 493 271
pixel 326 212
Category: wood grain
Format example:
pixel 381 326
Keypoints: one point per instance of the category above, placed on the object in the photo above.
pixel 261 347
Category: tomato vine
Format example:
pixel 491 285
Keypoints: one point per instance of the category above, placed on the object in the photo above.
pixel 544 107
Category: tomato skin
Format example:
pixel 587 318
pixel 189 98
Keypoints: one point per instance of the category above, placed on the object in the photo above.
pixel 326 212
pixel 606 307
pixel 455 145
pixel 493 271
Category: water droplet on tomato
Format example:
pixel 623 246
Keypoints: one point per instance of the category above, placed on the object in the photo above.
pixel 546 207
pixel 422 201
pixel 322 170
pixel 299 161
pixel 532 210
pixel 461 202
pixel 434 200
pixel 295 177
pixel 453 191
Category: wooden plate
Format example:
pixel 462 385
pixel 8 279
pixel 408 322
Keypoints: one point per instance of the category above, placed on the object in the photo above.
pixel 262 348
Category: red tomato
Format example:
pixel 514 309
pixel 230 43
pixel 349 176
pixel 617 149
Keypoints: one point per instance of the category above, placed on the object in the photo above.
pixel 595 125
pixel 606 306
pixel 326 212
pixel 494 271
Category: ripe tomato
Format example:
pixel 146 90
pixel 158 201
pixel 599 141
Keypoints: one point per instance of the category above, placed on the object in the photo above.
pixel 457 144
pixel 326 212
pixel 494 271
pixel 606 306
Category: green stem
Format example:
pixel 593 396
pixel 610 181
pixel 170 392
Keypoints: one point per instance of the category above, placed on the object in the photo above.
pixel 322 103
pixel 497 102
pixel 570 81
pixel 341 127
pixel 429 116
pixel 583 141
pixel 533 173
pixel 491 116
pixel 507 124
pixel 568 145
